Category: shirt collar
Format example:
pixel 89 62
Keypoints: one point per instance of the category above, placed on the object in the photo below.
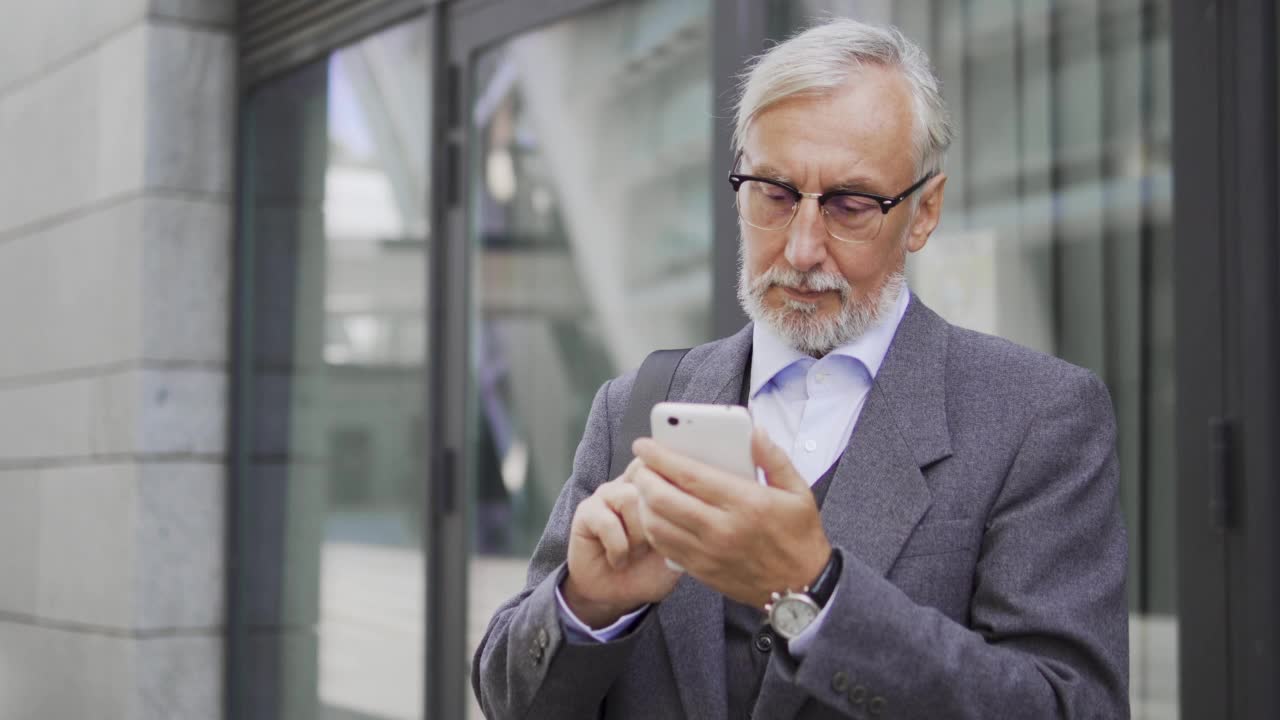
pixel 771 355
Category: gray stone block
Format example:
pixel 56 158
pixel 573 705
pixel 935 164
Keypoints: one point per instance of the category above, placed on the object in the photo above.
pixel 206 12
pixel 151 107
pixel 186 279
pixel 147 278
pixel 55 673
pixel 182 411
pixel 37 36
pixel 178 678
pixel 79 134
pixel 127 413
pixel 73 418
pixel 88 562
pixel 127 547
pixel 70 294
pixel 190 120
pixel 180 540
pixel 19 541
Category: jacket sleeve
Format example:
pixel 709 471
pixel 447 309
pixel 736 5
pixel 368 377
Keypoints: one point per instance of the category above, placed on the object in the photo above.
pixel 1048 625
pixel 524 667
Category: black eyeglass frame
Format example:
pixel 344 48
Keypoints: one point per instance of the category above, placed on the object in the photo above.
pixel 885 203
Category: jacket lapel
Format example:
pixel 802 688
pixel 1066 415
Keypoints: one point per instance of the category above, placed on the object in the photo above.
pixel 879 493
pixel 692 617
pixel 875 501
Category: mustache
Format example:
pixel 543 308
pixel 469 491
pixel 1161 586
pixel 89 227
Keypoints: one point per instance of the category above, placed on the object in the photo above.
pixel 812 281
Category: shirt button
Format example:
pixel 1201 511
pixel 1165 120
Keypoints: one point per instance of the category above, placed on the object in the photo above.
pixel 810 445
pixel 764 642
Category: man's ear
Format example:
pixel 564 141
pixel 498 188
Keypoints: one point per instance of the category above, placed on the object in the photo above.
pixel 928 213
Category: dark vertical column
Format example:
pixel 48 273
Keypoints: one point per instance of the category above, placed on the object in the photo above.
pixel 273 574
pixel 739 32
pixel 446 682
pixel 1159 357
pixel 1199 339
pixel 442 608
pixel 1251 120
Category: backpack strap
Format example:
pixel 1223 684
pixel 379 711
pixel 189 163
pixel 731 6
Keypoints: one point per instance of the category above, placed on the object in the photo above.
pixel 652 385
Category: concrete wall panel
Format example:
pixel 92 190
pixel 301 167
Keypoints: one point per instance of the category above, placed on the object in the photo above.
pixel 76 137
pixel 190 103
pixel 114 415
pixel 37 36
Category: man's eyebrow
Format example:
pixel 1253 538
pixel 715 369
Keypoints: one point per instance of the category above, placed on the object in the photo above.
pixel 852 183
pixel 766 170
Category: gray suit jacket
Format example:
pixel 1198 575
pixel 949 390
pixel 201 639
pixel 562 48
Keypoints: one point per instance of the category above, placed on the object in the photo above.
pixel 977 509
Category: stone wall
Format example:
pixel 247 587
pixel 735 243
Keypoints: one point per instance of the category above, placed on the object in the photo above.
pixel 116 146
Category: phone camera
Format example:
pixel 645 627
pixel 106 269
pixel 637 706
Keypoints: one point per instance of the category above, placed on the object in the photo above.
pixel 673 421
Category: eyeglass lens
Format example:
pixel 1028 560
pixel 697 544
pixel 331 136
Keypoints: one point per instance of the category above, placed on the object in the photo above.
pixel 769 207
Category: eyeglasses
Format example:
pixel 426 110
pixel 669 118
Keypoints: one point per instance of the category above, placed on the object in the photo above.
pixel 852 217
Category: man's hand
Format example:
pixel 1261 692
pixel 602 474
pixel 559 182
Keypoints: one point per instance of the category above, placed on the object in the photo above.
pixel 612 568
pixel 739 537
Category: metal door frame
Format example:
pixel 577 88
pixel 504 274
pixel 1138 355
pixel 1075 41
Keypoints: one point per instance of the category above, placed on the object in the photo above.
pixel 1227 312
pixel 295 36
pixel 467 27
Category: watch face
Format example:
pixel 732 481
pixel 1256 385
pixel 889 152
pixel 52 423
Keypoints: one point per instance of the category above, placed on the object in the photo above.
pixel 791 615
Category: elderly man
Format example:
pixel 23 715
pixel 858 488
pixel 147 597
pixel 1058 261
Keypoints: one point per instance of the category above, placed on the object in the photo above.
pixel 941 514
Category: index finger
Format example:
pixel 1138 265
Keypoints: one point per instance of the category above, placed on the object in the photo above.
pixel 707 483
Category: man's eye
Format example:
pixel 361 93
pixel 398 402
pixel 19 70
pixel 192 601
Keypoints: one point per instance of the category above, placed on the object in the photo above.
pixel 775 194
pixel 851 205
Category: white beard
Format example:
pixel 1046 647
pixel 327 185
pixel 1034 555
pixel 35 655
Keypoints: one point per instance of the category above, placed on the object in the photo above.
pixel 798 323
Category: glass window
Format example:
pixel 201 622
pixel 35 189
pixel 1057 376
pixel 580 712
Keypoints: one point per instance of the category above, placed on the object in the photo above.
pixel 1057 232
pixel 590 219
pixel 330 470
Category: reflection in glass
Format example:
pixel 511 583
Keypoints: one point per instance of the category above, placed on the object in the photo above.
pixel 1057 232
pixel 330 471
pixel 590 220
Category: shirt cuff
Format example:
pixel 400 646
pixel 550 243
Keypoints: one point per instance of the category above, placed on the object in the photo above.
pixel 798 646
pixel 578 632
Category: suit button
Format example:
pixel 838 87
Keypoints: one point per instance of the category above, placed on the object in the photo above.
pixel 857 694
pixel 876 705
pixel 764 641
pixel 542 638
pixel 839 682
pixel 536 653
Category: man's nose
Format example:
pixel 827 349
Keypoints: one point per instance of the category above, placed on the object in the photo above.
pixel 807 237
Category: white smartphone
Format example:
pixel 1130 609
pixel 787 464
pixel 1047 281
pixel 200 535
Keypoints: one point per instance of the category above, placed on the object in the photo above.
pixel 718 435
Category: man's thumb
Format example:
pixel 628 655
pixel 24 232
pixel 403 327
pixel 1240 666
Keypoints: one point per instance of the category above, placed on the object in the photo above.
pixel 778 470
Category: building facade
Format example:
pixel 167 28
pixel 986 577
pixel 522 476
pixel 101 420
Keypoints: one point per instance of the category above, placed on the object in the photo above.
pixel 307 301
pixel 117 136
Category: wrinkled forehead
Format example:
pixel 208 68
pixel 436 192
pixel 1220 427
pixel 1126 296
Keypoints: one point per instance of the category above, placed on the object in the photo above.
pixel 863 129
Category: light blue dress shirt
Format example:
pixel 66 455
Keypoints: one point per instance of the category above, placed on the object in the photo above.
pixel 809 408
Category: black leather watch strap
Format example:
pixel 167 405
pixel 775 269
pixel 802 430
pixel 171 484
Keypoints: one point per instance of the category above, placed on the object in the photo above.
pixel 825 584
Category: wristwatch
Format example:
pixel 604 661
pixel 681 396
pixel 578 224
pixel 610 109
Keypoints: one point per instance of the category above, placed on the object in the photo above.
pixel 791 612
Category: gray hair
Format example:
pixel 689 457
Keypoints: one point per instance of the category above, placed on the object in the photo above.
pixel 819 60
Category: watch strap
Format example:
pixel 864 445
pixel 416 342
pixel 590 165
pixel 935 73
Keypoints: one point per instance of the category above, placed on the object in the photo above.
pixel 825 584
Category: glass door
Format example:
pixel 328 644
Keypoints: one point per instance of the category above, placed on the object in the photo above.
pixel 588 240
pixel 327 596
pixel 1058 234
